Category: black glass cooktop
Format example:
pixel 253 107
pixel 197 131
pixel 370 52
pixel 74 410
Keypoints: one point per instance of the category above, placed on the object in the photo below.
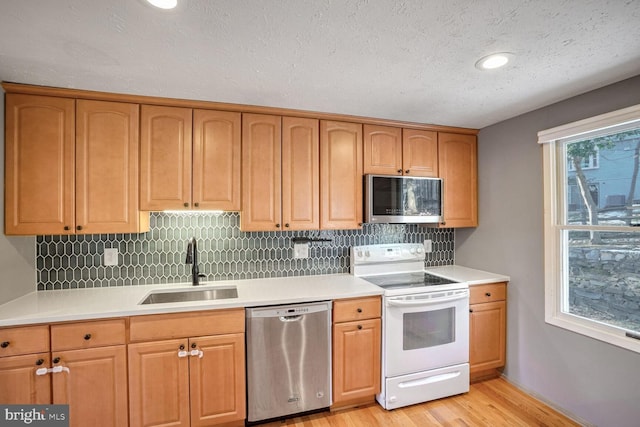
pixel 407 280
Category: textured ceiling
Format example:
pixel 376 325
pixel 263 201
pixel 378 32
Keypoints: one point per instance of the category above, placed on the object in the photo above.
pixel 409 60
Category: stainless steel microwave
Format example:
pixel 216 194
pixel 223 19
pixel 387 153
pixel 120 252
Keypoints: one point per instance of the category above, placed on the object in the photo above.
pixel 396 199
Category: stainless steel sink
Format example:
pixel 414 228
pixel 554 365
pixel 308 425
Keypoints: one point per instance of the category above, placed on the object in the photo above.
pixel 184 295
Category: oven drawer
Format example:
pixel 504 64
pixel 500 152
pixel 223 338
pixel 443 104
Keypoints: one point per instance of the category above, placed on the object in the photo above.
pixel 423 386
pixel 487 293
pixel 346 310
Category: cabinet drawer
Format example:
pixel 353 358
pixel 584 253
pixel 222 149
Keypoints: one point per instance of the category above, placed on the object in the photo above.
pixel 193 324
pixel 71 336
pixel 346 310
pixel 24 340
pixel 487 293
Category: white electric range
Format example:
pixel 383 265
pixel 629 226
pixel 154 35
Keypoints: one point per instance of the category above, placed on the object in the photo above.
pixel 425 325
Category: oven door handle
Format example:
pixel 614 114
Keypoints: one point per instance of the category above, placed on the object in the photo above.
pixel 413 303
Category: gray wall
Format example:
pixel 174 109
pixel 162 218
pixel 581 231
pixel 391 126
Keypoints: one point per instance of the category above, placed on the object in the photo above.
pixel 592 380
pixel 17 254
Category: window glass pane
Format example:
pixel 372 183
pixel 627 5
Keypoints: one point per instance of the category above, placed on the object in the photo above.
pixel 604 278
pixel 601 180
pixel 428 328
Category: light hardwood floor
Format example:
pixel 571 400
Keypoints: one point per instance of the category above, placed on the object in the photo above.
pixel 492 403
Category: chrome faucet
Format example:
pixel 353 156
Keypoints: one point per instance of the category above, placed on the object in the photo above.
pixel 192 258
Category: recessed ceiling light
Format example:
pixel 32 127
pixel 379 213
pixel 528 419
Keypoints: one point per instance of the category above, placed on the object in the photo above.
pixel 164 4
pixel 495 60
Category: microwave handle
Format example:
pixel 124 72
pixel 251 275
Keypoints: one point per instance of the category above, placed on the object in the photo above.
pixel 409 303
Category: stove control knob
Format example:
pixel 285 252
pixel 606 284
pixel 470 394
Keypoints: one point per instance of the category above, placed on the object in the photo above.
pixel 358 254
pixel 412 251
pixel 367 254
pixel 419 249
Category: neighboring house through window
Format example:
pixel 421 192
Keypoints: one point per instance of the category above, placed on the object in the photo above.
pixel 591 219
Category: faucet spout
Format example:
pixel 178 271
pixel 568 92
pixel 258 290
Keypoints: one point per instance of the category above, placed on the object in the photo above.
pixel 192 258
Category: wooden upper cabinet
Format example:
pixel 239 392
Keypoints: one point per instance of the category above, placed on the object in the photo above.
pixel 39 165
pixel 300 174
pixel 458 165
pixel 261 172
pixel 165 158
pixel 280 173
pixel 107 168
pixel 340 175
pixel 382 150
pixel 190 159
pixel 72 166
pixel 395 151
pixel 420 152
pixel 216 160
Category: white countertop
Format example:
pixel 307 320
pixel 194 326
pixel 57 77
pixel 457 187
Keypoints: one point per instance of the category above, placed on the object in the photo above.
pixel 465 274
pixel 97 303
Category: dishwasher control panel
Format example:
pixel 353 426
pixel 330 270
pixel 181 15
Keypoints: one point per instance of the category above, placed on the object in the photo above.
pixel 289 310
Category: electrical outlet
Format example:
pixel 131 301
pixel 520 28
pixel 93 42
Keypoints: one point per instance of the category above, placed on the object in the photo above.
pixel 110 256
pixel 428 247
pixel 301 250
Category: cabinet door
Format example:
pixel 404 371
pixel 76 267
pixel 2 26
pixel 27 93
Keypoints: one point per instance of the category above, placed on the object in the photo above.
pixel 39 165
pixel 457 162
pixel 107 167
pixel 340 175
pixel 261 173
pixel 19 384
pixel 356 360
pixel 487 336
pixel 216 160
pixel 420 152
pixel 165 158
pixel 158 384
pixel 300 174
pixel 382 150
pixel 217 380
pixel 95 388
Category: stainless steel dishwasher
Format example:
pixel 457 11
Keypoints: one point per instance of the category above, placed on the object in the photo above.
pixel 288 360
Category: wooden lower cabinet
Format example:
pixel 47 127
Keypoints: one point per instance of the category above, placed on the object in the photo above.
pixel 18 382
pixel 159 384
pixel 217 380
pixel 487 330
pixel 95 387
pixel 169 386
pixel 23 350
pixel 93 382
pixel 181 380
pixel 356 352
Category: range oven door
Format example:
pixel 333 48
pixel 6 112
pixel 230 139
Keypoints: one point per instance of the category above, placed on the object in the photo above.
pixel 426 331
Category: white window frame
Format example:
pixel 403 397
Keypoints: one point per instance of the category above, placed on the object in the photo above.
pixel 555 225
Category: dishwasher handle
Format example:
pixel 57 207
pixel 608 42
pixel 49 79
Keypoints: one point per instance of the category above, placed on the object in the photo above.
pixel 291 318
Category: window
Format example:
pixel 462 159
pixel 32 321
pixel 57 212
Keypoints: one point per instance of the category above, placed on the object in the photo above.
pixel 590 161
pixel 591 225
